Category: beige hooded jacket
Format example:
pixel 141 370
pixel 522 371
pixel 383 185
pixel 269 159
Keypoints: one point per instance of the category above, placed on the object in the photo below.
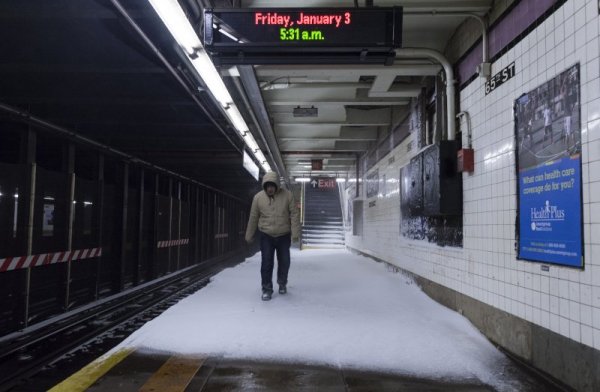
pixel 275 216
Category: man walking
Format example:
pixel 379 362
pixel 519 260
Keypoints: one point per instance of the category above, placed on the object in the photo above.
pixel 275 215
pixel 547 113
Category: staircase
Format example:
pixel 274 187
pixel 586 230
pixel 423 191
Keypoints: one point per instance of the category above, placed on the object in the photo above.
pixel 323 223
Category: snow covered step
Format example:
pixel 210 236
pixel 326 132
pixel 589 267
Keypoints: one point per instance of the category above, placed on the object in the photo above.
pixel 323 246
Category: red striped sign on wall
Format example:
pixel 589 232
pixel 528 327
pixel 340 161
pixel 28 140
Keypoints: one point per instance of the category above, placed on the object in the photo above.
pixel 19 262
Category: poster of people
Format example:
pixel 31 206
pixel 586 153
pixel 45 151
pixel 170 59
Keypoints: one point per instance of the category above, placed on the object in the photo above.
pixel 548 137
pixel 373 183
pixel 350 193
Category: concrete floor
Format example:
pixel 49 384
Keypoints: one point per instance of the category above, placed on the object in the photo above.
pixel 211 375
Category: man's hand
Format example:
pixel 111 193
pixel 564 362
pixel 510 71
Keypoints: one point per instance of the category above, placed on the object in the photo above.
pixel 295 239
pixel 249 240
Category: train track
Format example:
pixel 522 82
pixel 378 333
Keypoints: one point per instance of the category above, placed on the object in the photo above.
pixel 80 335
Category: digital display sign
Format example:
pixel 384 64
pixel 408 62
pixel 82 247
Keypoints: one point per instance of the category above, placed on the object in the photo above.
pixel 253 30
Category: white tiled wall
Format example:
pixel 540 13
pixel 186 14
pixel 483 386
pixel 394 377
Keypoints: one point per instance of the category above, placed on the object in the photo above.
pixel 564 300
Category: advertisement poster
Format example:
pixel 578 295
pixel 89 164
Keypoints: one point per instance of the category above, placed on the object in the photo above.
pixel 48 220
pixel 373 183
pixel 548 137
pixel 349 206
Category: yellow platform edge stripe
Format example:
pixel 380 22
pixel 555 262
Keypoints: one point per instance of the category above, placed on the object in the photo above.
pixel 89 374
pixel 174 375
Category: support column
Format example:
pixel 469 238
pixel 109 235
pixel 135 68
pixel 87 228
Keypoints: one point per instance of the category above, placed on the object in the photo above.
pixel 140 232
pixel 119 272
pixel 170 248
pixel 28 153
pixel 99 222
pixel 357 174
pixel 197 210
pixel 70 168
pixel 178 225
pixel 154 240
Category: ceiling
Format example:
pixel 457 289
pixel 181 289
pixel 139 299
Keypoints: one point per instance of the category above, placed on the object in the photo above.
pixel 356 104
pixel 82 65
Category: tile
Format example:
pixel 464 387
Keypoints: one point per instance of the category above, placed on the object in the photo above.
pixel 596 317
pixel 564 326
pixel 596 338
pixel 585 314
pixel 586 294
pixel 563 307
pixel 587 336
pixel 555 323
pixel 574 311
pixel 575 331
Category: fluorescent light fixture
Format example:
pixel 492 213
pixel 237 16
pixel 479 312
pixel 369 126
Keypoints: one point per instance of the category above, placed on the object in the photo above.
pixel 249 165
pixel 172 15
pixel 250 142
pixel 259 156
pixel 178 24
pixel 302 179
pixel 340 180
pixel 225 33
pixel 236 119
pixel 16 195
pixel 209 74
pixel 87 203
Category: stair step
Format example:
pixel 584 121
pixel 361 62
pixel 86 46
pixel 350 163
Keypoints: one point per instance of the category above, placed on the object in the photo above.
pixel 323 243
pixel 335 236
pixel 323 246
pixel 338 222
pixel 323 231
pixel 322 225
pixel 318 228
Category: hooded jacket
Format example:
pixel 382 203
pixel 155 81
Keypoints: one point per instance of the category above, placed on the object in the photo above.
pixel 275 216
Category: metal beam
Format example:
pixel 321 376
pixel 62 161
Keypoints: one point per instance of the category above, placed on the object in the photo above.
pixel 332 124
pixel 467 5
pixel 339 102
pixel 257 103
pixel 340 138
pixel 70 69
pixel 324 73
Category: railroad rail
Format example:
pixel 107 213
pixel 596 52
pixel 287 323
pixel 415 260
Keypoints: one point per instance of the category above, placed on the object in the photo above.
pixel 23 355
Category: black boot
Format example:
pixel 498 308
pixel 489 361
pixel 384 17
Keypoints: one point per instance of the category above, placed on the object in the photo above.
pixel 266 296
pixel 282 289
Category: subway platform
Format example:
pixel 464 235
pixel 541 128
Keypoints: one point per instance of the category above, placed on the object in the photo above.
pixel 348 323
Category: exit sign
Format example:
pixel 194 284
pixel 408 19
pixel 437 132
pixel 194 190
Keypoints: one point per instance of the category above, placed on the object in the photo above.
pixel 323 183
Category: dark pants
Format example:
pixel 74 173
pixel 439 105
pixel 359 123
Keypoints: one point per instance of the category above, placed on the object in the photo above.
pixel 268 246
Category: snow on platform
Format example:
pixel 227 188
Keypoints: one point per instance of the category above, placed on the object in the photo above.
pixel 341 310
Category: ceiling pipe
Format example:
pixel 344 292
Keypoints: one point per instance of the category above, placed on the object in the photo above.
pixel 249 85
pixel 450 89
pixel 467 117
pixel 481 20
pixel 277 161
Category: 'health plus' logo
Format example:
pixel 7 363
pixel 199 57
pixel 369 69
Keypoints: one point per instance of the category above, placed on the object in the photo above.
pixel 542 218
